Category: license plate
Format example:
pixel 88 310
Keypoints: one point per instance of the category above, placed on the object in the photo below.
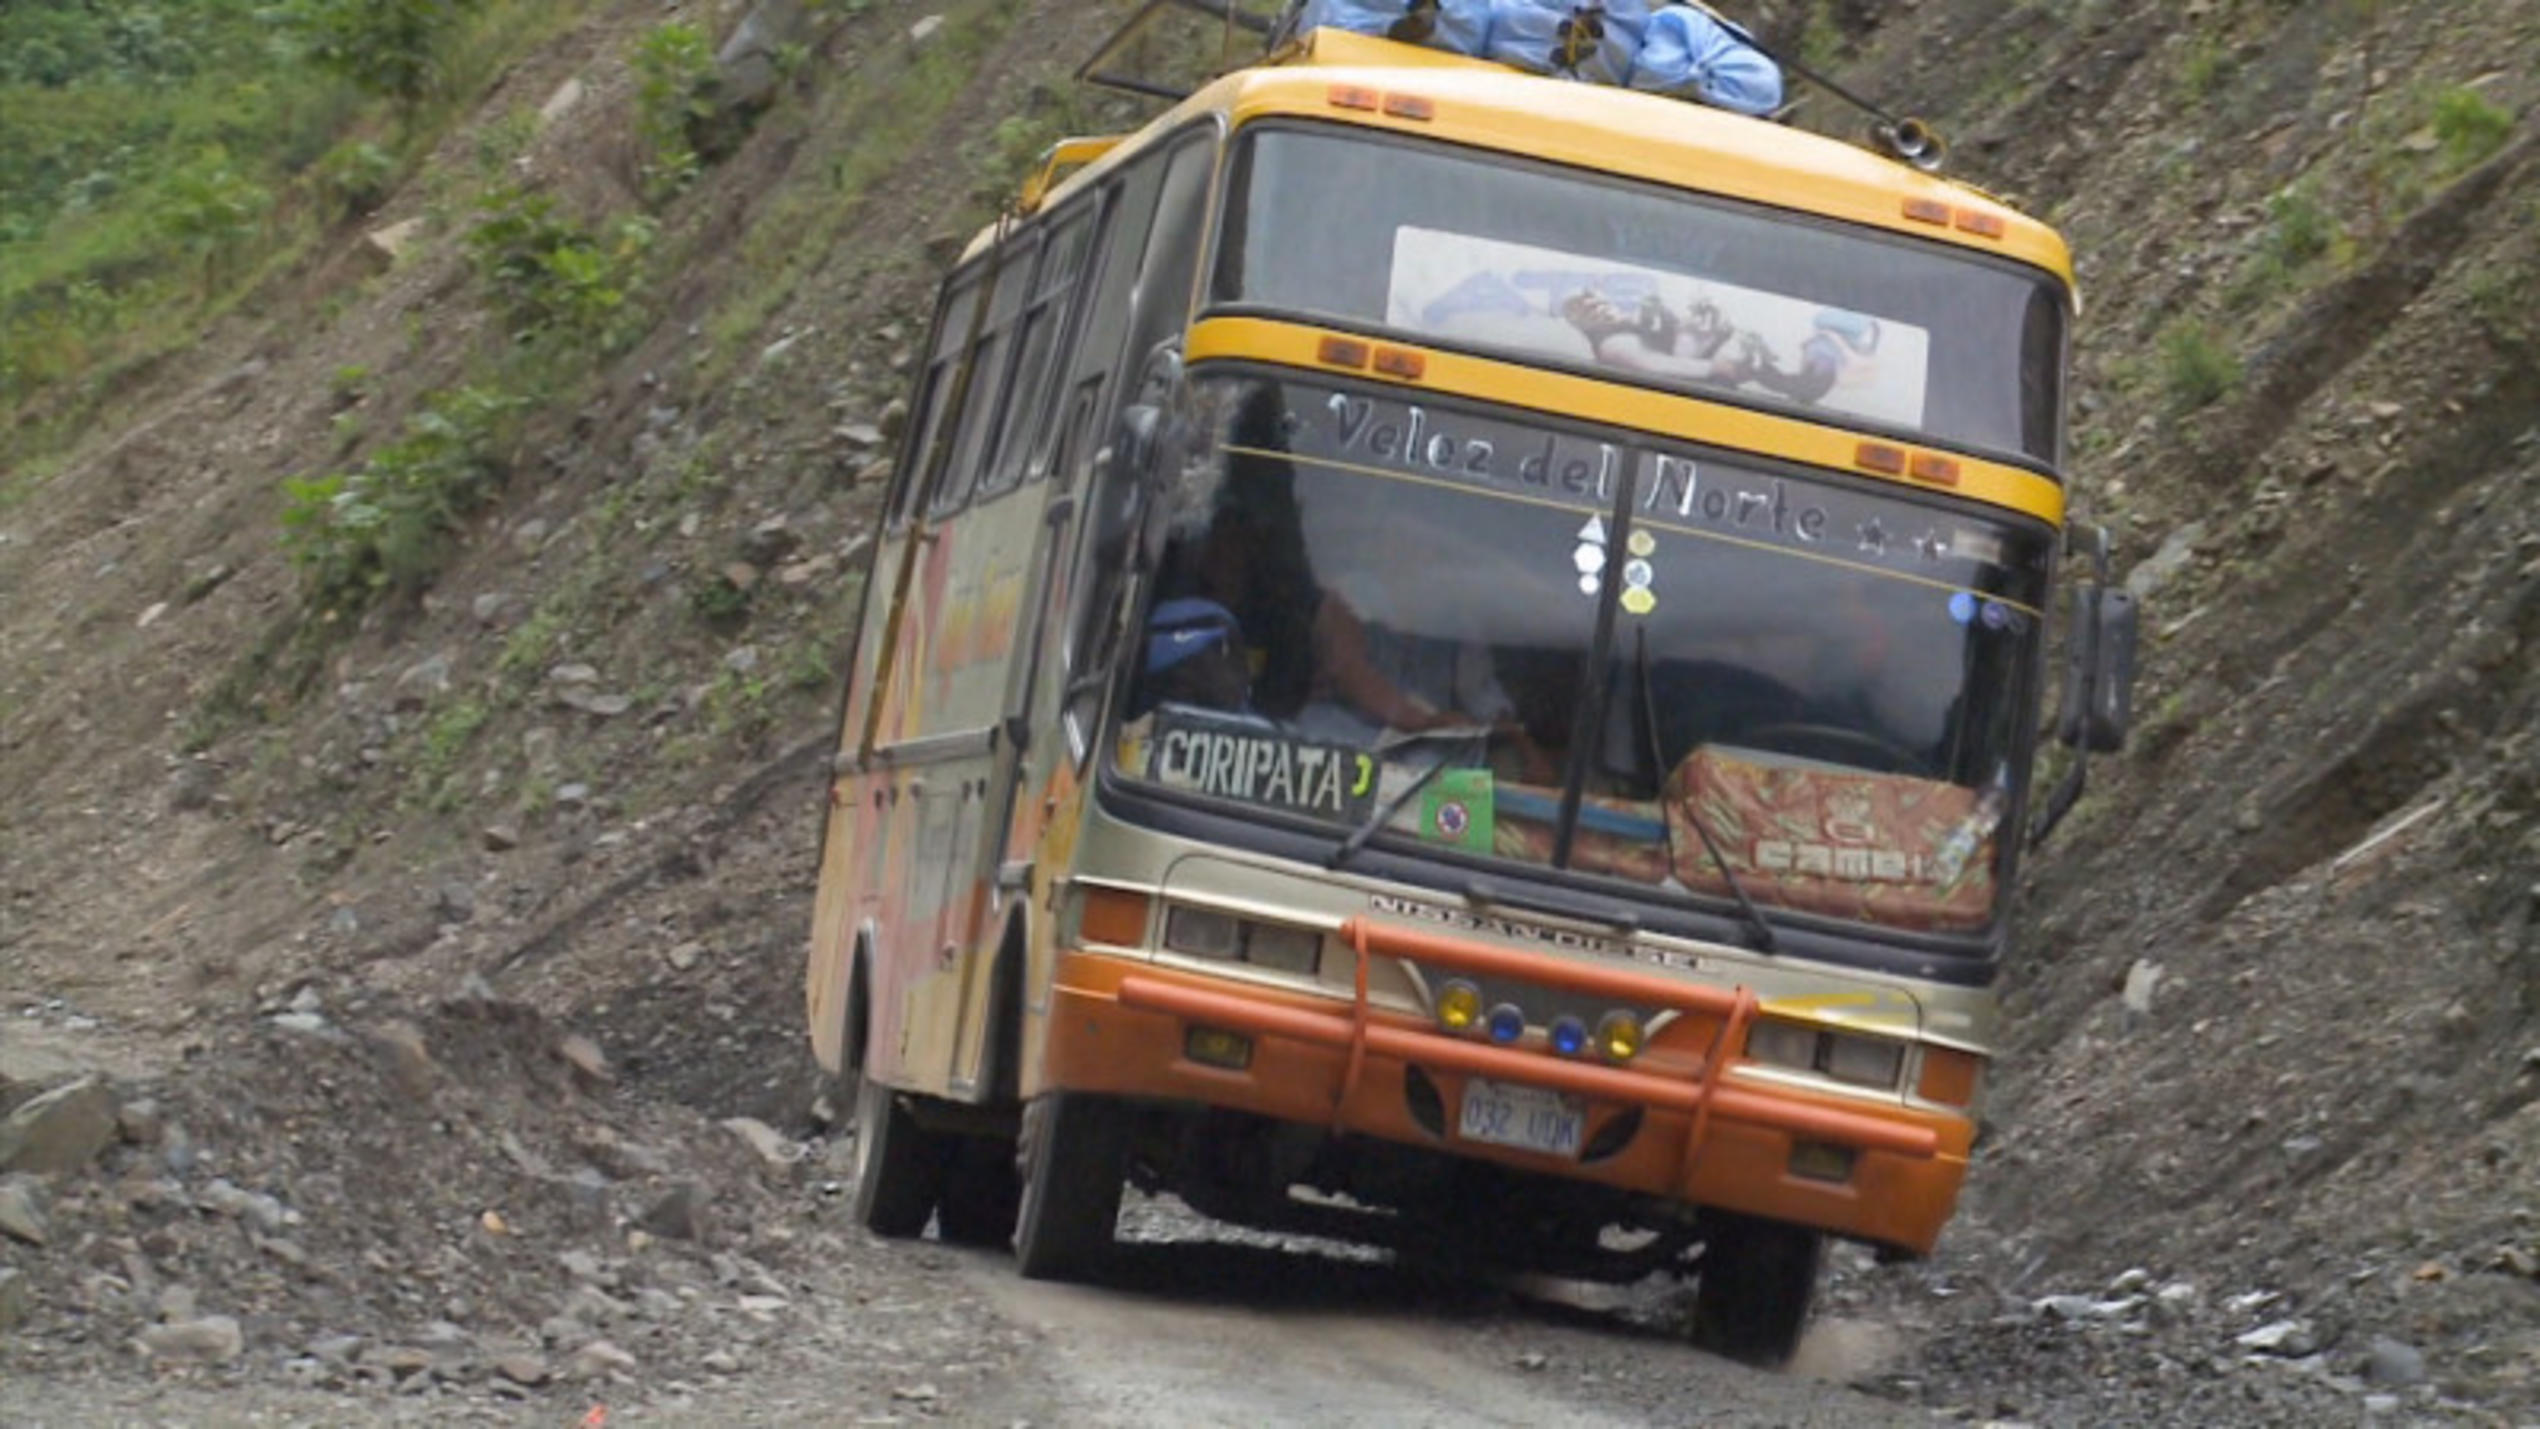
pixel 1529 1118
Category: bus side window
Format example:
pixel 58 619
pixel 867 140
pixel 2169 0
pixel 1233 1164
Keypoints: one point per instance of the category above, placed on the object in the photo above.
pixel 979 407
pixel 1163 303
pixel 1101 563
pixel 1022 440
pixel 952 324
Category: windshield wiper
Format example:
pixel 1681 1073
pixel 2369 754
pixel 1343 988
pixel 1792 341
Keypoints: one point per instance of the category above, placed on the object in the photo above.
pixel 1384 813
pixel 1755 920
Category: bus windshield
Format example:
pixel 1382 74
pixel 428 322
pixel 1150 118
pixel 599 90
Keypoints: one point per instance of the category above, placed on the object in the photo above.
pixel 1368 604
pixel 1558 267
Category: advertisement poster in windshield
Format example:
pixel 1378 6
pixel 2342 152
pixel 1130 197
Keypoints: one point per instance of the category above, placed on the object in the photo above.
pixel 1668 326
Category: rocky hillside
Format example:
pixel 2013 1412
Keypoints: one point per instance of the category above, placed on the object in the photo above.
pixel 2266 1124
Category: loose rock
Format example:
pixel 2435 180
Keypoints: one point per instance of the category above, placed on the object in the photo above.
pixel 61 1130
pixel 214 1339
pixel 25 1210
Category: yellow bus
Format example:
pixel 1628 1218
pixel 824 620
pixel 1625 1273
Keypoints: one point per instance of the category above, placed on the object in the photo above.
pixel 1454 660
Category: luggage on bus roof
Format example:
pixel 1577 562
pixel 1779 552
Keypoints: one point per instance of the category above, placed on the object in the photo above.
pixel 1680 50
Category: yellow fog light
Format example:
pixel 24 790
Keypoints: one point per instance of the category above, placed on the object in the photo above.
pixel 1216 1047
pixel 1821 1161
pixel 1619 1036
pixel 1459 1006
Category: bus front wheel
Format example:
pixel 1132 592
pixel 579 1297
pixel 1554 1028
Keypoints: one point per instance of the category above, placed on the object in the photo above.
pixel 1757 1279
pixel 899 1165
pixel 1074 1152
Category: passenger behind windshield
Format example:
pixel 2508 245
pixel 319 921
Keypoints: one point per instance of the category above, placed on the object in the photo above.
pixel 1312 662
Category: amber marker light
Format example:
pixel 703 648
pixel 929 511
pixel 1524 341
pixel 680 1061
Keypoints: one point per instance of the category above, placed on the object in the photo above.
pixel 1880 457
pixel 1352 96
pixel 1410 106
pixel 1341 352
pixel 1459 1006
pixel 1619 1036
pixel 1394 362
pixel 1113 915
pixel 1950 1077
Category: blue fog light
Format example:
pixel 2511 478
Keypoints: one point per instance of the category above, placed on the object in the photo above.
pixel 1569 1036
pixel 1506 1023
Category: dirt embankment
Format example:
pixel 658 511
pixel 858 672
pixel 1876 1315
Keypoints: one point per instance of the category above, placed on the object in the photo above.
pixel 2263 1144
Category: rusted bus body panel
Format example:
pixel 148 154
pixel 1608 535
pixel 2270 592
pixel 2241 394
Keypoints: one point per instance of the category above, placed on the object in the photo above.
pixel 918 828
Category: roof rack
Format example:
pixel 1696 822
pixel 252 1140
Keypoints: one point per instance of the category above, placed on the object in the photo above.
pixel 1175 46
pixel 1170 43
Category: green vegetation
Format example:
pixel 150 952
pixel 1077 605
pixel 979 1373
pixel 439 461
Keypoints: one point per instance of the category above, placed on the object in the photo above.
pixel 674 97
pixel 383 526
pixel 882 121
pixel 2197 370
pixel 445 740
pixel 2207 68
pixel 2469 126
pixel 2300 231
pixel 395 48
pixel 550 276
pixel 162 156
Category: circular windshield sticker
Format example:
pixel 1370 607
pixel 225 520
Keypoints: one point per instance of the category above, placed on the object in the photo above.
pixel 1639 601
pixel 1962 607
pixel 1642 543
pixel 1637 573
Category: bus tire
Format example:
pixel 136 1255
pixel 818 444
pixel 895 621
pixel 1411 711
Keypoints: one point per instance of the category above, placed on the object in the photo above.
pixel 1758 1277
pixel 1074 1151
pixel 980 1201
pixel 899 1165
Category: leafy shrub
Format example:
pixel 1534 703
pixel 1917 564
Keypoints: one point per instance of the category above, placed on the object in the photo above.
pixel 386 525
pixel 2469 125
pixel 550 275
pixel 355 177
pixel 209 210
pixel 388 47
pixel 2299 232
pixel 674 98
pixel 2197 370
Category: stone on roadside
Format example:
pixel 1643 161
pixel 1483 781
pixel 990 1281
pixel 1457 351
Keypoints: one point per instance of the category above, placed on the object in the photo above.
pixel 382 247
pixel 585 1057
pixel 61 1130
pixel 16 1300
pixel 679 1214
pixel 141 1122
pixel 2291 1339
pixel 2392 1364
pixel 601 1359
pixel 527 1371
pixel 773 1146
pixel 213 1339
pixel 25 1210
pixel 501 838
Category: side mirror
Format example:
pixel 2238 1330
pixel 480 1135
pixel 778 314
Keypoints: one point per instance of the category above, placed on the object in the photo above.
pixel 2098 704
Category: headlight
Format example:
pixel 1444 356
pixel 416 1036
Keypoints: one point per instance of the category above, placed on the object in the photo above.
pixel 1783 1044
pixel 1863 1061
pixel 1845 1056
pixel 1287 950
pixel 1207 933
pixel 1203 933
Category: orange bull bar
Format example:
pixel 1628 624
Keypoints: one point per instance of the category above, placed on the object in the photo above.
pixel 1700 1094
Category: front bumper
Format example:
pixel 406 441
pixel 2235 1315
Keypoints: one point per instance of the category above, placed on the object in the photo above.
pixel 1707 1134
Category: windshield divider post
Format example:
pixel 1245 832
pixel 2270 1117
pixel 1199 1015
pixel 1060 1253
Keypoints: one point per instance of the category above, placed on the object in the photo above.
pixel 1589 718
